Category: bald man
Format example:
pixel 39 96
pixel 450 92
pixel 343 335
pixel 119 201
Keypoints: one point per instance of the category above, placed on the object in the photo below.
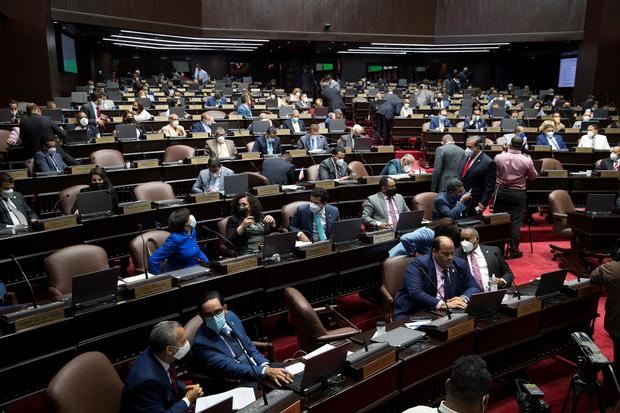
pixel 612 163
pixel 348 140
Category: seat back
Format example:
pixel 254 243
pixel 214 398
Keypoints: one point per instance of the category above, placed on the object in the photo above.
pixel 107 157
pixel 153 191
pixel 67 198
pixel 392 272
pixel 64 264
pixel 249 146
pixel 216 114
pixel 424 201
pixel 255 179
pixel 177 153
pixel 312 173
pixel 426 126
pixel 153 239
pixel 560 202
pixel 551 164
pixel 191 328
pixel 306 322
pixel 358 168
pixel 88 383
pixel 289 210
pixel 4 143
pixel 224 248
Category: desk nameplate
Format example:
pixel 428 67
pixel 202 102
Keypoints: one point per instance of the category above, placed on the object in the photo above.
pixel 267 190
pixel 105 139
pixel 238 264
pixel 39 319
pixel 328 184
pixel 147 163
pixel 154 136
pixel 136 207
pixel 153 285
pixel 385 148
pixel 610 174
pixel 366 367
pixel 61 222
pixel 378 237
pixel 250 155
pixel 200 135
pixel 316 249
pixel 18 173
pixel 522 307
pixel 204 197
pixel 297 153
pixel 199 160
pixel 584 150
pixel 423 177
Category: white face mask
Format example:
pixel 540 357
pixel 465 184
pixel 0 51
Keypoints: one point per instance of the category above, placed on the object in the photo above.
pixel 469 152
pixel 590 133
pixel 314 208
pixel 182 351
pixel 84 122
pixel 549 134
pixel 221 139
pixel 7 193
pixel 52 149
pixel 406 105
pixel 585 118
pixel 175 123
pixel 340 162
pixel 192 221
pixel 406 168
pixel 467 246
pixel 613 157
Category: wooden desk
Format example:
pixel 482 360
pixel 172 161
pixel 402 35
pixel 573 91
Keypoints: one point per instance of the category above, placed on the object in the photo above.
pixel 594 234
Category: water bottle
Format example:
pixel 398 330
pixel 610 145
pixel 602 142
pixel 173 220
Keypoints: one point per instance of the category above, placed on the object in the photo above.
pixel 493 283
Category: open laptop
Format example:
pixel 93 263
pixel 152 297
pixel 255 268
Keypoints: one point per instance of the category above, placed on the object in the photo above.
pixel 282 244
pixel 95 203
pixel 235 184
pixel 271 104
pixel 94 288
pixel 362 145
pixel 346 231
pixel 79 97
pixel 5 115
pixel 217 124
pixel 549 284
pixel 337 125
pixel 408 221
pixel 126 132
pixel 600 204
pixel 53 114
pixel 321 112
pixel 259 127
pixel 285 111
pixel 76 136
pixel 485 304
pixel 400 337
pixel 180 112
pixel 319 369
pixel 509 125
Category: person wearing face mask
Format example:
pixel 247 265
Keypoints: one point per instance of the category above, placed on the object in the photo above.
pixel 212 178
pixel 173 128
pixel 406 111
pixel 220 147
pixel 294 124
pixel 484 261
pixel 313 222
pixel 217 100
pixel 519 132
pixel 586 117
pixel 98 181
pixel 335 167
pixel 152 383
pixel 142 114
pixel 440 122
pixel 467 389
pixel 440 102
pixel 592 139
pixel 205 124
pixel 47 159
pixel 382 210
pixel 247 226
pixel 16 114
pixel 612 163
pixel 219 354
pixel 92 110
pixel 348 140
pixel 304 102
pixel 268 144
pixel 405 165
pixel 477 172
pixel 475 122
pixel 294 96
pixel 81 123
pixel 550 138
pixel 14 211
pixel 452 203
pixel 129 118
pixel 180 250
pixel 447 158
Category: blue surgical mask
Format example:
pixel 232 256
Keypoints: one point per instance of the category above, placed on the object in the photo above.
pixel 216 323
pixel 522 135
pixel 270 140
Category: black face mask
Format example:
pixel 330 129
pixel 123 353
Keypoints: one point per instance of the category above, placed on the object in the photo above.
pixel 390 192
pixel 97 186
pixel 130 120
pixel 243 212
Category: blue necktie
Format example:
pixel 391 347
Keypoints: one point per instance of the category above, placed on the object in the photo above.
pixel 269 147
pixel 447 285
pixel 319 227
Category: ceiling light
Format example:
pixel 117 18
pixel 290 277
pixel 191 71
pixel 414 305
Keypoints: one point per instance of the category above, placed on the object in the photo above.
pixel 195 38
pixel 143 39
pixel 439 45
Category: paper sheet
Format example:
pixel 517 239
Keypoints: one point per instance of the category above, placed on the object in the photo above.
pixel 415 324
pixel 299 244
pixel 242 396
pixel 138 277
pixel 320 350
pixel 296 368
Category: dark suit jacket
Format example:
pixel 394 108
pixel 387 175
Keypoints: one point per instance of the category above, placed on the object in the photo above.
pixel 327 169
pixel 393 167
pixel 332 99
pixel 21 205
pixel 606 165
pixel 497 264
pixel 213 354
pixel 211 101
pixel 480 178
pixel 90 112
pixel 289 124
pixel 304 218
pixel 419 292
pixel 43 162
pixel 34 129
pixel 279 171
pixel 543 140
pixel 260 145
pixel 148 389
pixel 477 124
pixel 444 207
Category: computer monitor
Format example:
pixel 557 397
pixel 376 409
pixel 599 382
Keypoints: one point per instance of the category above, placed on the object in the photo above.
pixel 321 112
pixel 346 231
pixel 146 102
pixel 53 114
pixel 235 184
pixel 600 203
pixel 271 104
pixel 551 283
pixel 76 136
pixel 337 125
pixel 408 221
pixel 508 125
pixel 280 243
pixel 5 115
pixel 79 97
pixel 485 304
pixel 285 111
pixel 362 145
pixel 126 132
pixel 259 127
pixel 94 287
pixel 180 112
pixel 63 102
pixel 95 202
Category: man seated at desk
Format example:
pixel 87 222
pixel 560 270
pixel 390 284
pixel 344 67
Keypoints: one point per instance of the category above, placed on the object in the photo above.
pixel 268 144
pixel 434 281
pixel 81 123
pixel 475 122
pixel 335 167
pixel 212 178
pixel 313 141
pixel 244 107
pixel 206 121
pixel 593 140
pixel 294 124
pixel 263 117
pixel 14 211
pixel 348 141
pixel 313 222
pixel 550 138
pixel 219 146
pixel 382 210
pixel 404 165
pixel 173 128
pixel 47 159
pixel 612 163
pixel 440 122
pixel 453 202
pixel 519 132
pixel 217 100
pixel 218 352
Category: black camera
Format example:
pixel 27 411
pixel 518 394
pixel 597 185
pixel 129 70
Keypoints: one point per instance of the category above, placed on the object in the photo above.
pixel 529 398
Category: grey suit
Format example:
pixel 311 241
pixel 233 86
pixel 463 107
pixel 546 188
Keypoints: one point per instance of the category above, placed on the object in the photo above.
pixel 211 147
pixel 447 158
pixel 327 169
pixel 204 177
pixel 20 204
pixel 374 208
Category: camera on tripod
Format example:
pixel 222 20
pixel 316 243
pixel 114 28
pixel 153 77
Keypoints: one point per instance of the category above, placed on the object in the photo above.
pixel 529 398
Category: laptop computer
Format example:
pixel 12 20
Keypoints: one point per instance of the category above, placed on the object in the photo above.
pixel 180 112
pixel 94 288
pixel 76 136
pixel 549 284
pixel 280 243
pixel 285 111
pixel 271 104
pixel 408 221
pixel 362 145
pixel 600 204
pixel 346 231
pixel 319 369
pixel 126 132
pixel 53 114
pixel 508 125
pixel 337 125
pixel 79 97
pixel 259 127
pixel 95 203
pixel 63 102
pixel 485 304
pixel 223 125
pixel 5 115
pixel 400 337
pixel 235 184
pixel 320 112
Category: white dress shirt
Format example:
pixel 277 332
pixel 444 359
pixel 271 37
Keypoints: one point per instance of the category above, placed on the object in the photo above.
pixel 295 124
pixel 222 150
pixel 598 142
pixel 482 264
pixel 11 214
pixel 387 201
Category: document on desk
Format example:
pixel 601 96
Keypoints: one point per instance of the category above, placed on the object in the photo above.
pixel 138 277
pixel 242 396
pixel 320 350
pixel 295 368
pixel 415 324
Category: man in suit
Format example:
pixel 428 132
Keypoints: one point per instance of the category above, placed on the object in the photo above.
pixel 313 141
pixel 609 274
pixel 404 165
pixel 348 141
pixel 483 261
pixel 382 210
pixel 47 159
pixel 280 170
pixel 477 172
pixel 14 211
pixel 93 113
pixel 440 102
pixel 81 123
pixel 294 124
pixel 452 203
pixel 217 100
pixel 168 89
pixel 313 222
pixel 447 158
pixel 549 137
pixel 152 384
pixel 244 108
pixel 16 114
pixel 217 350
pixel 440 122
pixel 424 96
pixel 34 129
pixel 475 122
pixel 268 144
pixel 612 163
pixel 206 121
pixel 434 281
pixel 212 178
pixel 220 147
pixel 335 167
pixel 331 97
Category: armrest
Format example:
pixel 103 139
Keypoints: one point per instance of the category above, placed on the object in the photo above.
pixel 324 310
pixel 559 215
pixel 265 348
pixel 337 334
pixel 385 295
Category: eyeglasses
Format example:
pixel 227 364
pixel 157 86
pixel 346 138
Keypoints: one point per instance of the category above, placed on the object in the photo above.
pixel 216 313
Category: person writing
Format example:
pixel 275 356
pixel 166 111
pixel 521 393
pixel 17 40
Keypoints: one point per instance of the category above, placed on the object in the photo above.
pixel 247 225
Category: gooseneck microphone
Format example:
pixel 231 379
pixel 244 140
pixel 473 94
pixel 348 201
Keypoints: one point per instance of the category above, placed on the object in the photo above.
pixel 359 331
pixel 221 237
pixel 55 207
pixel 144 252
pixel 251 361
pixel 448 312
pixel 23 274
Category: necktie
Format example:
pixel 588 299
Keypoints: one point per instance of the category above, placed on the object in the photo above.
pixel 392 211
pixel 447 285
pixel 617 166
pixel 475 270
pixel 554 144
pixel 172 372
pixel 269 147
pixel 466 167
pixel 319 226
pixel 20 217
pixel 312 143
pixel 98 111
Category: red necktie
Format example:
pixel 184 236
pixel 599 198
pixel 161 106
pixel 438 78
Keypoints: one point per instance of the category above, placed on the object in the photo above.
pixel 392 211
pixel 172 372
pixel 466 167
pixel 475 270
pixel 98 111
pixel 617 166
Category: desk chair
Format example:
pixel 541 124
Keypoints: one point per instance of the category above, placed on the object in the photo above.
pixel 560 204
pixel 177 153
pixel 312 173
pixel 358 168
pixel 392 273
pixel 107 158
pixel 233 113
pixel 67 198
pixel 64 264
pixel 424 201
pixel 289 210
pixel 256 179
pixel 310 332
pixel 88 383
pixel 153 191
pixel 153 240
pixel 223 247
pixel 216 114
pixel 551 164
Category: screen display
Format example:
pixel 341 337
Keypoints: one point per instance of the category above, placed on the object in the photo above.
pixel 568 68
pixel 69 59
pixel 323 67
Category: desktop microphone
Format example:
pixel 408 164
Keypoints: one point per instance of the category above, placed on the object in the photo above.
pixel 448 312
pixel 222 237
pixel 251 361
pixel 144 252
pixel 21 270
pixel 55 207
pixel 513 283
pixel 359 331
